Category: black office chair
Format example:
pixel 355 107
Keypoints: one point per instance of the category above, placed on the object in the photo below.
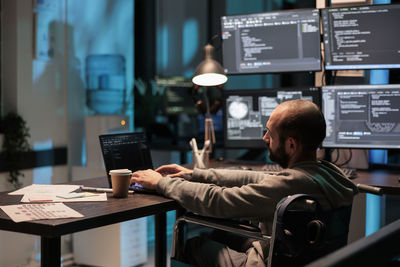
pixel 301 232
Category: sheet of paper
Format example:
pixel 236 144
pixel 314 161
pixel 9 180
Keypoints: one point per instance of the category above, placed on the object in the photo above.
pixel 83 197
pixel 46 189
pixel 29 212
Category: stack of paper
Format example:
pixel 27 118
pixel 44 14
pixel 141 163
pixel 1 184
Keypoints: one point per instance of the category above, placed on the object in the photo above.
pixel 56 193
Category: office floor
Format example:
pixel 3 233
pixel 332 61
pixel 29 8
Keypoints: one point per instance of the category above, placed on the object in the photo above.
pixel 192 231
pixel 150 256
pixel 68 260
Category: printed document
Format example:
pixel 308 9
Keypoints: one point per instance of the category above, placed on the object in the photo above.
pixel 29 212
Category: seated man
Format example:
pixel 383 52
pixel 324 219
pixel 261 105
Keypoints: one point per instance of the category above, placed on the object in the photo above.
pixel 294 132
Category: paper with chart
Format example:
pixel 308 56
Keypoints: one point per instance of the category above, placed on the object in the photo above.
pixel 29 212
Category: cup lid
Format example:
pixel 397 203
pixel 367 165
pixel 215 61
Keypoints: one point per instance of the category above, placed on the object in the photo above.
pixel 121 171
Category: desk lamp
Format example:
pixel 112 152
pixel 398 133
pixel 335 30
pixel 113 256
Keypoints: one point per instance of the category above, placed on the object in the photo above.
pixel 209 73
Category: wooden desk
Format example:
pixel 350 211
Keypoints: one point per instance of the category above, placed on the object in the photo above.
pixel 389 181
pixel 96 214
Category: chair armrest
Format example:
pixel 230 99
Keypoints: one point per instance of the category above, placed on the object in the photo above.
pixel 237 227
pixel 370 189
pixel 241 228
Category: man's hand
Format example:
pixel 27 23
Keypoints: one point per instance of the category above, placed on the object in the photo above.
pixel 147 178
pixel 173 170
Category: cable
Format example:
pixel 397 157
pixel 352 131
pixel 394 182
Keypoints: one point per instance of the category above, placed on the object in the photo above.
pixel 322 78
pixel 337 155
pixel 348 160
pixel 210 41
pixel 334 73
pixel 324 71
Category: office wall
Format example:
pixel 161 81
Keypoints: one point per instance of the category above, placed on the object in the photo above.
pixel 95 27
pixel 34 84
pixel 44 48
pixel 43 79
pixel 181 35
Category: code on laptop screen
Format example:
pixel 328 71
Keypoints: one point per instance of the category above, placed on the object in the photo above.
pixel 125 151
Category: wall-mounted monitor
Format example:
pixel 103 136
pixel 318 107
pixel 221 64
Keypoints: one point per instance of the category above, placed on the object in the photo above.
pixel 246 112
pixel 362 116
pixel 364 37
pixel 278 41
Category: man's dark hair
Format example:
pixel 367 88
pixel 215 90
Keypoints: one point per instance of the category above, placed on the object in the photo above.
pixel 304 122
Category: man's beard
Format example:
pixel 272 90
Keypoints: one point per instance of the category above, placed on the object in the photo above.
pixel 279 156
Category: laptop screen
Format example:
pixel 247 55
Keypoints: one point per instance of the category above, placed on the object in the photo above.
pixel 125 151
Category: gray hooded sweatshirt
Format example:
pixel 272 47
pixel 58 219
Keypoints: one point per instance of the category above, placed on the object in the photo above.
pixel 253 195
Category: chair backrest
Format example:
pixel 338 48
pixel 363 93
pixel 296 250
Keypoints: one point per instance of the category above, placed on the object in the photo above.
pixel 302 232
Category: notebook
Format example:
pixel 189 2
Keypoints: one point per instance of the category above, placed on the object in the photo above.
pixel 126 151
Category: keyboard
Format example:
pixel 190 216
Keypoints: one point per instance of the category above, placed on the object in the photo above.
pixel 350 173
pixel 271 168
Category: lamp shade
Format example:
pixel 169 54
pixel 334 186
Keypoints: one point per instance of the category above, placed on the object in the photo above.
pixel 209 72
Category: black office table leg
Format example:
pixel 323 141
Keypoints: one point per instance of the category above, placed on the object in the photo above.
pixel 50 251
pixel 160 224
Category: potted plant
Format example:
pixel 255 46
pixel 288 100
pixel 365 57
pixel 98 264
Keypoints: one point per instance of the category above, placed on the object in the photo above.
pixel 15 144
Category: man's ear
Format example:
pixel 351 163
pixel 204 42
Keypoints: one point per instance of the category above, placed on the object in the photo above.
pixel 291 145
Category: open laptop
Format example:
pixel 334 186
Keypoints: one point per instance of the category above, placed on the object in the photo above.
pixel 126 151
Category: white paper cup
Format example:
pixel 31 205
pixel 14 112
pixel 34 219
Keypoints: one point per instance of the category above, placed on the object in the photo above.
pixel 120 180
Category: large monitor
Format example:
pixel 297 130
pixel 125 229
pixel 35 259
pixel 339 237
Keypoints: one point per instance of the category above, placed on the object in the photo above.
pixel 362 116
pixel 246 112
pixel 278 41
pixel 364 37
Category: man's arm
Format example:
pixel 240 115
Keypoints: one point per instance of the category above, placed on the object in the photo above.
pixel 248 201
pixel 226 177
pixel 254 200
pixel 174 170
pixel 221 177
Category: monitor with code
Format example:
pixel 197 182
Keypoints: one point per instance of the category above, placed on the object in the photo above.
pixel 278 41
pixel 364 37
pixel 362 116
